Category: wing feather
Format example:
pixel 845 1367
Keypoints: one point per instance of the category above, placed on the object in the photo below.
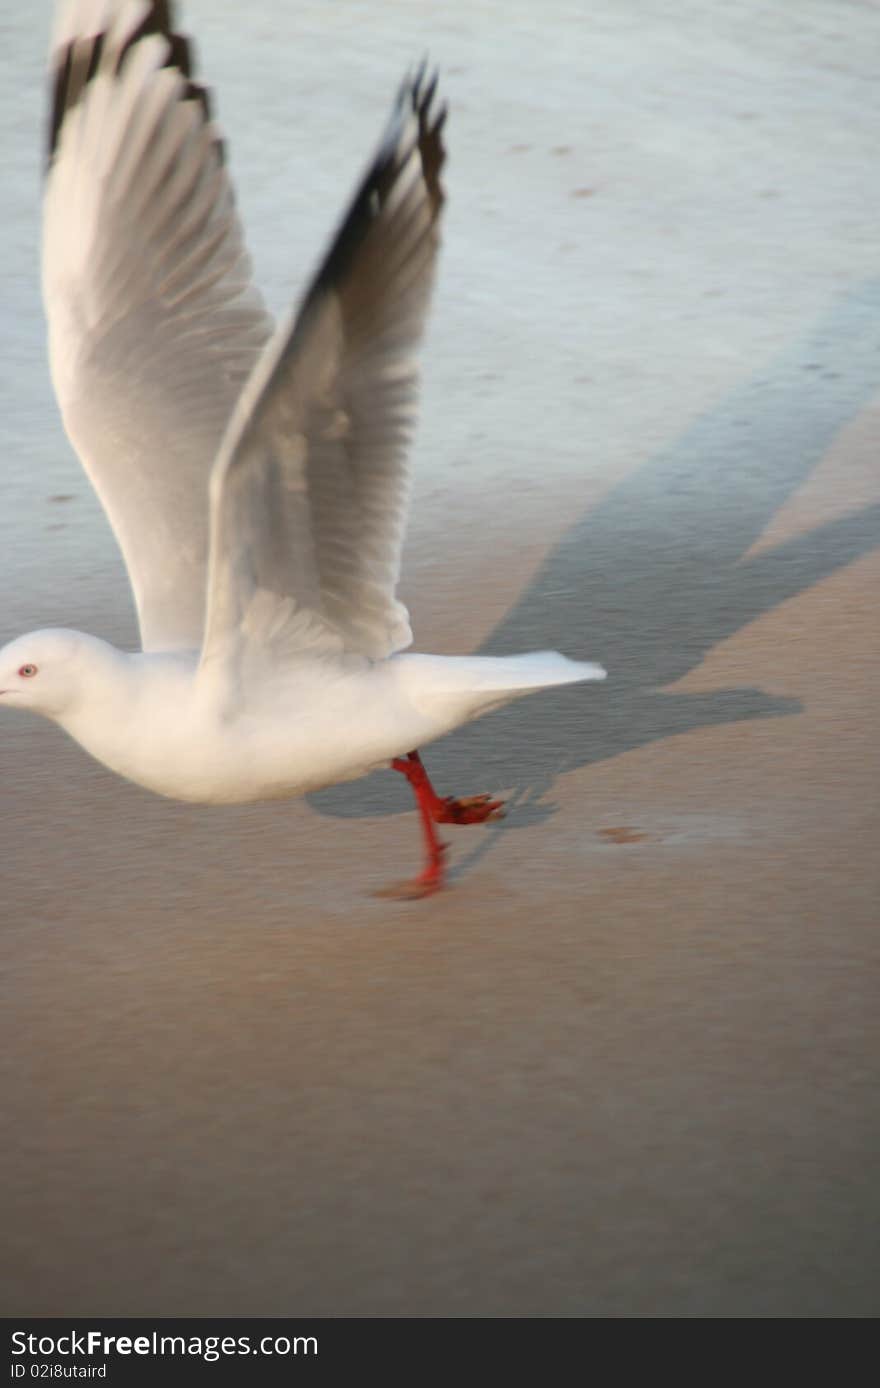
pixel 309 493
pixel 154 324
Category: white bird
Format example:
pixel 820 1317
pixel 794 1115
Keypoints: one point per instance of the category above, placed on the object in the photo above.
pixel 256 480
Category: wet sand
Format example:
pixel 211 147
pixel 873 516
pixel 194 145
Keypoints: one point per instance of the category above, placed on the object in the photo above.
pixel 628 1064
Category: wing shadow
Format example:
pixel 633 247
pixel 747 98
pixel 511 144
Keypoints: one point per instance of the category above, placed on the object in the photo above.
pixel 653 577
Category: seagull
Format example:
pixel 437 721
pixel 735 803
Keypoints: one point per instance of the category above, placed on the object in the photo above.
pixel 255 477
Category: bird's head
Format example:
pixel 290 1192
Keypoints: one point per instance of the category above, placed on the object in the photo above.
pixel 44 671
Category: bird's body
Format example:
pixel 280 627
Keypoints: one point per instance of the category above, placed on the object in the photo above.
pixel 256 478
pixel 191 733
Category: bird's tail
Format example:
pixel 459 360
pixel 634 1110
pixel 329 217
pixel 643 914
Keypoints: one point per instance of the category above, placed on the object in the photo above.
pixel 475 684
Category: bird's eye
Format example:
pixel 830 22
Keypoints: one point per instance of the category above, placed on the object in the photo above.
pixel 27 671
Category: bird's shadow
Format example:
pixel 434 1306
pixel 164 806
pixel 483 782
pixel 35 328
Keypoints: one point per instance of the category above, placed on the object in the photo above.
pixel 654 576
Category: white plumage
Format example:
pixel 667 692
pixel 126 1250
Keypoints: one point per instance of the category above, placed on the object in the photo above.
pixel 256 480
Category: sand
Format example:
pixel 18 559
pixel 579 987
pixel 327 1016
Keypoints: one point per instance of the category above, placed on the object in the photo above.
pixel 628 1064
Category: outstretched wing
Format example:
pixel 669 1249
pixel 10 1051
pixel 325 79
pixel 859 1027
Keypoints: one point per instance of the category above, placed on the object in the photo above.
pixel 309 492
pixel 153 323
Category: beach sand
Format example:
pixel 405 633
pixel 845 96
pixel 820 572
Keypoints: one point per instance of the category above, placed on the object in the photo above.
pixel 628 1064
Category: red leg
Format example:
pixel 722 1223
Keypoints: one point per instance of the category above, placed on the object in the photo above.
pixel 473 809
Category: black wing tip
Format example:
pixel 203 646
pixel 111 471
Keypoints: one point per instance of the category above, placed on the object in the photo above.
pixel 415 97
pixel 70 76
pixel 431 125
pixel 417 92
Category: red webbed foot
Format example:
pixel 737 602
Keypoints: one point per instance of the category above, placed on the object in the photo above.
pixel 435 809
pixel 432 880
pixel 468 809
